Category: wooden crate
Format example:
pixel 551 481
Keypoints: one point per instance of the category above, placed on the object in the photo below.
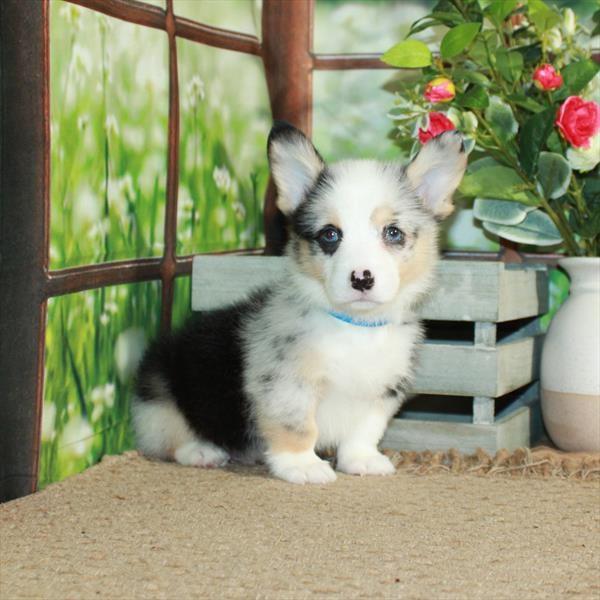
pixel 482 344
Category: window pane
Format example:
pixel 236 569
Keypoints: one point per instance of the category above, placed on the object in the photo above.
pixel 350 114
pixel 364 25
pixel 109 109
pixel 238 15
pixel 225 120
pixel 93 342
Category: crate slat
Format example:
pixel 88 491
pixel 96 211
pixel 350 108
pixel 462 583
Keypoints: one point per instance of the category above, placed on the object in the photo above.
pixel 464 291
pixel 462 369
pixel 516 427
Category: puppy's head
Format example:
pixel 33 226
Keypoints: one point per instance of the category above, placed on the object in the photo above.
pixel 363 234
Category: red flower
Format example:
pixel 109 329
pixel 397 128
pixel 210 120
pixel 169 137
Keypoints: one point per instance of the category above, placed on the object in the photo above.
pixel 546 77
pixel 440 89
pixel 438 123
pixel 578 121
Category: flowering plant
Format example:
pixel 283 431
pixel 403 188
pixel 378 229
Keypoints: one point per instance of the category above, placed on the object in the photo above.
pixel 518 80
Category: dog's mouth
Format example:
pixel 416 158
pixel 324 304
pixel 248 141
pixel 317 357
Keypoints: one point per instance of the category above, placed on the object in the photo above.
pixel 362 304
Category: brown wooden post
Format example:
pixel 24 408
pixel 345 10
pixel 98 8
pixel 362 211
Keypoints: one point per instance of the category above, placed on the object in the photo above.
pixel 24 176
pixel 287 29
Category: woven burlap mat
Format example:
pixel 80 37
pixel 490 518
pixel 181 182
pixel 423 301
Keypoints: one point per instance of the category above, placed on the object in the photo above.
pixel 541 461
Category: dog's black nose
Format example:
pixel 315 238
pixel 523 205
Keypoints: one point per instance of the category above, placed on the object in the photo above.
pixel 366 282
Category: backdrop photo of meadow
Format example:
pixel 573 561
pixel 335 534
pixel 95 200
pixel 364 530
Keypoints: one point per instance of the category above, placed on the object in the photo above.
pixel 109 118
pixel 109 122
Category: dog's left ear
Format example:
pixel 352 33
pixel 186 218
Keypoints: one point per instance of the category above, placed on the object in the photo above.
pixel 437 170
pixel 295 165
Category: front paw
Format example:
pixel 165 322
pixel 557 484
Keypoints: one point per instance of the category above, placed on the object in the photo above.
pixel 300 467
pixel 365 463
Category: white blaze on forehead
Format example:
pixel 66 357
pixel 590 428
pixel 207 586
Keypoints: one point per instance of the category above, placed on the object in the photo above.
pixel 362 188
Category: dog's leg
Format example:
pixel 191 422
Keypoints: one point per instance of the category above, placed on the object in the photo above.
pixel 358 453
pixel 291 456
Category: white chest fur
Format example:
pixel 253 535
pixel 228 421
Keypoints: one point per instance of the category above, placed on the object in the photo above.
pixel 356 366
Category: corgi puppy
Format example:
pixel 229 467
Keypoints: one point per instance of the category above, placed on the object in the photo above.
pixel 320 359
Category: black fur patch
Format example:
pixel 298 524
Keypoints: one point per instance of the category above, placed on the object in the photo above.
pixel 202 365
pixel 302 221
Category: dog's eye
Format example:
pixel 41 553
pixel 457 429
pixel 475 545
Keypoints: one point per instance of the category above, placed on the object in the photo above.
pixel 329 239
pixel 329 235
pixel 393 235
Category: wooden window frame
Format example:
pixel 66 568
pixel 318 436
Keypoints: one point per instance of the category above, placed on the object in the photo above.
pixel 27 280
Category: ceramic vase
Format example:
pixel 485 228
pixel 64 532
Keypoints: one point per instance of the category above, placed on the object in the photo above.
pixel 570 373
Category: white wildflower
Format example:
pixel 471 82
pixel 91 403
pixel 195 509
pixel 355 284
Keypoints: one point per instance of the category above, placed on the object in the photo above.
pixel 585 159
pixel 246 235
pixel 552 39
pixel 104 318
pixel 48 421
pixel 194 91
pixel 104 23
pixel 568 23
pixel 240 210
pixel 86 209
pixel 111 126
pixel 99 229
pixel 54 253
pixel 97 412
pixel 82 61
pixel 71 14
pixel 229 235
pixel 112 308
pixel 82 122
pixel 222 179
pixel 129 349
pixel 103 395
pixel 76 437
pixel 133 137
pixel 125 185
pixel 220 215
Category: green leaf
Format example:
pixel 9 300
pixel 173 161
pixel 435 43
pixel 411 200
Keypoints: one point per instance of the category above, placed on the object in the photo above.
pixel 537 229
pixel 554 174
pixel 476 97
pixel 470 76
pixel 458 38
pixel 453 18
pixel 422 25
pixel 596 19
pixel 503 212
pixel 542 16
pixel 486 161
pixel 500 9
pixel 500 116
pixel 578 74
pixel 498 182
pixel 532 53
pixel 409 54
pixel 553 142
pixel 400 113
pixel 509 64
pixel 525 102
pixel 532 138
pixel 588 227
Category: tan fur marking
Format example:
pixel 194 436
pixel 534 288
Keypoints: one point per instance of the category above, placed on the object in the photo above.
pixel 422 260
pixel 309 263
pixel 382 216
pixel 282 439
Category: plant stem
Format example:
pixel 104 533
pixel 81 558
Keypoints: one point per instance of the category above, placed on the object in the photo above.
pixel 558 218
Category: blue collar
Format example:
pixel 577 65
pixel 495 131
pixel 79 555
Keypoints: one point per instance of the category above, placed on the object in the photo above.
pixel 358 322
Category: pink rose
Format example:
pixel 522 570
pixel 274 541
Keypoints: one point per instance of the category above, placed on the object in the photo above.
pixel 438 123
pixel 440 89
pixel 578 120
pixel 546 77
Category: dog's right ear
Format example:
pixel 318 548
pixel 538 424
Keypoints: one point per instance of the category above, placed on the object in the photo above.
pixel 295 165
